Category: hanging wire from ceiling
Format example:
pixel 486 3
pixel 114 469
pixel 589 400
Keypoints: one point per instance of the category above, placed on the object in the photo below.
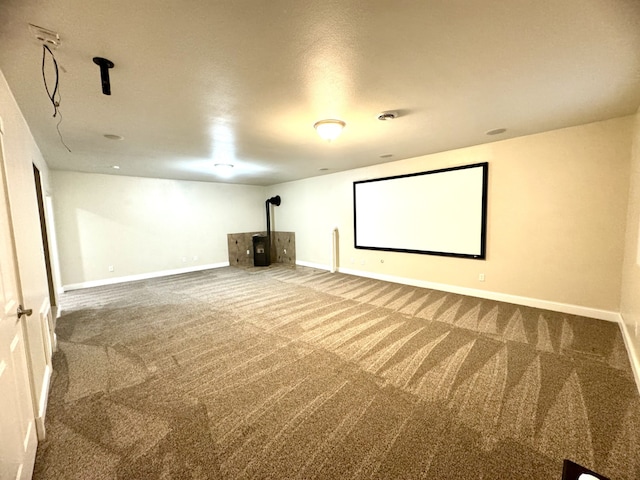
pixel 54 96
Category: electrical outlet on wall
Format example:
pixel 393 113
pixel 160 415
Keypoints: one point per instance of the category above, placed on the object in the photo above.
pixel 481 277
pixel 111 268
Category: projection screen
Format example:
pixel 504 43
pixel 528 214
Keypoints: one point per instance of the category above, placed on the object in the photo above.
pixel 439 212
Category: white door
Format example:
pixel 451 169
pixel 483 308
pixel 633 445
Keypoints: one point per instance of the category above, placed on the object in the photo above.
pixel 18 440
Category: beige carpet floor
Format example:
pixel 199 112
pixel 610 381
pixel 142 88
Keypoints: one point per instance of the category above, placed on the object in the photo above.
pixel 296 373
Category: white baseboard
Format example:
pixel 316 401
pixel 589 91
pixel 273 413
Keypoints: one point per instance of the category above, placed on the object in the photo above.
pixel 634 354
pixel 142 276
pixel 319 266
pixel 610 316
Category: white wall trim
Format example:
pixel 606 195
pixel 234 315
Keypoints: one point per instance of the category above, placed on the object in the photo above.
pixel 47 327
pixel 42 408
pixel 610 316
pixel 142 276
pixel 319 266
pixel 634 355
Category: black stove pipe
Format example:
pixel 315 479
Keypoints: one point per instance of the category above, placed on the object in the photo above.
pixel 273 201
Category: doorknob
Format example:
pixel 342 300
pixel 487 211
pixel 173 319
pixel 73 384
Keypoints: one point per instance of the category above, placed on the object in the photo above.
pixel 22 311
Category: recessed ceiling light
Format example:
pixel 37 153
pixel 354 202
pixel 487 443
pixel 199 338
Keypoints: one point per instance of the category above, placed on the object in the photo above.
pixel 112 136
pixel 496 131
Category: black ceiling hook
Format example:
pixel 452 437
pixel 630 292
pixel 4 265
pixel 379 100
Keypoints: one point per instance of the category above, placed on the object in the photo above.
pixel 104 65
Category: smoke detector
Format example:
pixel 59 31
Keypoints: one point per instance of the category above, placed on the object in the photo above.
pixel 45 36
pixel 387 116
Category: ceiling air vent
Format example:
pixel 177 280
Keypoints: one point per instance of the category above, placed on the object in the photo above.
pixel 387 116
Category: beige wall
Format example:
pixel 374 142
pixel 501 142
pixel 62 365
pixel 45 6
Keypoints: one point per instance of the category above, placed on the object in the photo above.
pixel 556 217
pixel 145 225
pixel 630 304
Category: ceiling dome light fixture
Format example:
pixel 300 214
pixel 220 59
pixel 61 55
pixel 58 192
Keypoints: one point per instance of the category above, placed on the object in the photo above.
pixel 223 170
pixel 329 129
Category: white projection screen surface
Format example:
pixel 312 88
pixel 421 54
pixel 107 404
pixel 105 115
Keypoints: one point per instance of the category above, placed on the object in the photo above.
pixel 440 212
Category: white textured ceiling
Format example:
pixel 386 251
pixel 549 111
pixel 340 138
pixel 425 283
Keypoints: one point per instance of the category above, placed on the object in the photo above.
pixel 243 81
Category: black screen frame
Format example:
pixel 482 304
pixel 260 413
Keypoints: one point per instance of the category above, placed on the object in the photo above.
pixel 483 223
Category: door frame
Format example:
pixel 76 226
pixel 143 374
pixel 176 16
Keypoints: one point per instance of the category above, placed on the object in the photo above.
pixel 53 300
